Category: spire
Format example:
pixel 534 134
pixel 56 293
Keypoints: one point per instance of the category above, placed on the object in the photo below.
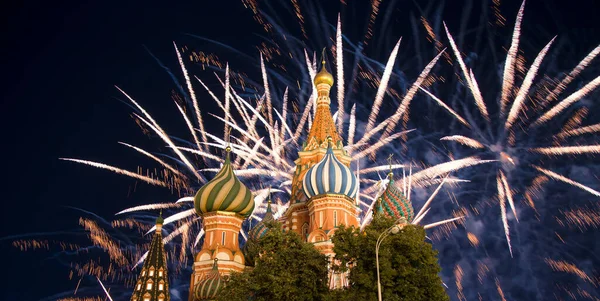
pixel 269 202
pixel 261 228
pixel 209 287
pixel 153 282
pixel 159 221
pixel 323 125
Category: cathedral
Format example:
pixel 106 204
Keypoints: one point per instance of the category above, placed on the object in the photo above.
pixel 323 197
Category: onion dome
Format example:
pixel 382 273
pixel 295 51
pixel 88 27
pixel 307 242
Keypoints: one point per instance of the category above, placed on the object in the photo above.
pixel 261 229
pixel 224 193
pixel 208 287
pixel 393 203
pixel 330 176
pixel 323 77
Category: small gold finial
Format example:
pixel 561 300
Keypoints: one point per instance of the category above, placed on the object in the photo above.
pixel 269 199
pixel 323 77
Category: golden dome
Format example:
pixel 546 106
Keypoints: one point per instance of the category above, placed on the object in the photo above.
pixel 324 77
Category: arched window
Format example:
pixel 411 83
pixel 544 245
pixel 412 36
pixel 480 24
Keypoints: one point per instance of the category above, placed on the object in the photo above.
pixel 147 297
pixel 335 218
pixel 151 272
pixel 223 238
pixel 305 230
pixel 160 272
pixel 149 284
pixel 161 285
pixel 143 272
pixel 139 286
pixel 161 297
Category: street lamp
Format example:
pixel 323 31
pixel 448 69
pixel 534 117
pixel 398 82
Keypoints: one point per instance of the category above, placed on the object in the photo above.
pixel 391 230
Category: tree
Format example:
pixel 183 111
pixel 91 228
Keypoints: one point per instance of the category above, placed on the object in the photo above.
pixel 408 265
pixel 285 269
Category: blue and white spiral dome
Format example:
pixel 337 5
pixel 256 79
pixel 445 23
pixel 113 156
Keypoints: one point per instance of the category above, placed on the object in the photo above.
pixel 330 176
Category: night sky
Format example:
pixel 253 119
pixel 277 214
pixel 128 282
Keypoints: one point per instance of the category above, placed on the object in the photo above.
pixel 61 61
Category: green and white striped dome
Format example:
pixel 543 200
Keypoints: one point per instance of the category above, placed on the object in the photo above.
pixel 224 193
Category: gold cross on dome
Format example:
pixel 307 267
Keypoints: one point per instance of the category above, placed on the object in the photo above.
pixel 389 159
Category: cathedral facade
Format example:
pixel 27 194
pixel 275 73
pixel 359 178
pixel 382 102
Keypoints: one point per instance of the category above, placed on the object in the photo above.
pixel 323 197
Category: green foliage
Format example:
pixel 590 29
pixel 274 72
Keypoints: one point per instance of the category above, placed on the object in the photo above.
pixel 408 265
pixel 285 269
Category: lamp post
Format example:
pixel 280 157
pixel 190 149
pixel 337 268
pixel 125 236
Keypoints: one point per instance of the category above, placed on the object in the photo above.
pixel 391 230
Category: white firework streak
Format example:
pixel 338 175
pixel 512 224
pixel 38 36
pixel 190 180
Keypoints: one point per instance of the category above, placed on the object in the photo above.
pixel 104 289
pixel 566 180
pixel 524 90
pixel 179 230
pixel 432 225
pixel 151 207
pixel 501 196
pixel 474 88
pixel 418 219
pixel 509 65
pixel 226 108
pixel 352 126
pixel 175 217
pixel 443 105
pixel 447 167
pixel 155 158
pixel 410 94
pixel 185 199
pixel 340 74
pixel 379 144
pixel 508 194
pixel 312 72
pixel 191 90
pixel 580 131
pixel 161 133
pixel 141 259
pixel 119 171
pixel 200 234
pixel 569 78
pixel 426 205
pixel 189 124
pixel 568 150
pixel 565 103
pixel 464 141
pixel 409 181
pixel 383 83
pixel 380 168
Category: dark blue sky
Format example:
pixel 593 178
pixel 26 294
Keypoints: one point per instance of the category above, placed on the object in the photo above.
pixel 60 62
